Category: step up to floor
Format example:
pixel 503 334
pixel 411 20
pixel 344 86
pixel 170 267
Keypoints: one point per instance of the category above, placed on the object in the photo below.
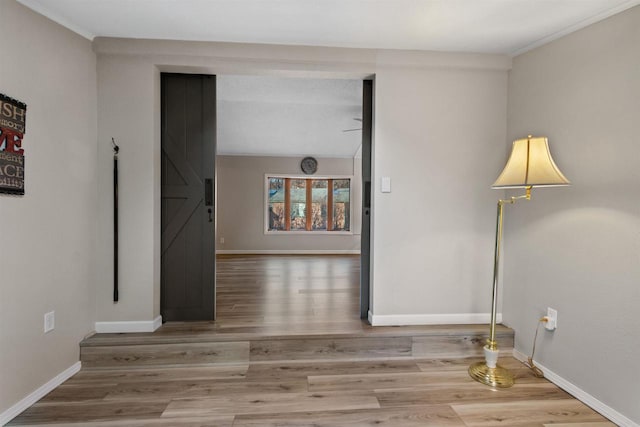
pixel 201 347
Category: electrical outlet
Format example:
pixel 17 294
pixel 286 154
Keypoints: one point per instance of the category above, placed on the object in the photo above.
pixel 552 319
pixel 222 240
pixel 49 321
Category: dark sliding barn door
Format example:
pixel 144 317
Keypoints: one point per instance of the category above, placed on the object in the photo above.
pixel 365 237
pixel 188 216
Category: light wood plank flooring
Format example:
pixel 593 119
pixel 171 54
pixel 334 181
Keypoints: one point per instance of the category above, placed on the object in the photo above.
pixel 280 294
pixel 394 393
pixel 288 350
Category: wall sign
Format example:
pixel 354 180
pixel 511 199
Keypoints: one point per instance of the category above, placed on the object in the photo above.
pixel 13 119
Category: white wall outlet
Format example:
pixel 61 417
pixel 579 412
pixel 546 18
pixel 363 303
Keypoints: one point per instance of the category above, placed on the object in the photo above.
pixel 222 240
pixel 49 321
pixel 552 319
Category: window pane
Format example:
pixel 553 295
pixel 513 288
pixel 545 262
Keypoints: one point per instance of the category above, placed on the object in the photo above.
pixel 276 204
pixel 341 205
pixel 276 216
pixel 276 190
pixel 298 204
pixel 319 204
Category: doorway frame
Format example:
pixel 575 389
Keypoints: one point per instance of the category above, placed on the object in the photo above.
pixel 366 293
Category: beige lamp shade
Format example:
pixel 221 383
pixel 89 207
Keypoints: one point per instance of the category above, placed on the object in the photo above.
pixel 530 165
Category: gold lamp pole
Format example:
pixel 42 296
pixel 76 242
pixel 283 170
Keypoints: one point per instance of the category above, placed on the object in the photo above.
pixel 530 165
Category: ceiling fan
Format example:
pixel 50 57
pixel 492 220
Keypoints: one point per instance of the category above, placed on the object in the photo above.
pixel 357 119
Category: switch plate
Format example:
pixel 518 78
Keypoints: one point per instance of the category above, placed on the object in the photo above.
pixel 385 184
pixel 552 319
pixel 222 240
pixel 49 321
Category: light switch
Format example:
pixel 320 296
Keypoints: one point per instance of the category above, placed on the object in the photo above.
pixel 385 185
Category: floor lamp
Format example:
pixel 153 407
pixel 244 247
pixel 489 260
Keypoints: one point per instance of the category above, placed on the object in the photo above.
pixel 530 165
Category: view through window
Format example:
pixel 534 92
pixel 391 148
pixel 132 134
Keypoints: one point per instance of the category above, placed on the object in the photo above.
pixel 300 204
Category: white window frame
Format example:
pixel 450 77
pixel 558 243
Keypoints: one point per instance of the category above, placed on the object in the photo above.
pixel 265 206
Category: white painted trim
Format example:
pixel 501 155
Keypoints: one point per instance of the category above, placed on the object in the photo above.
pixel 430 319
pixel 580 25
pixel 370 317
pixel 37 7
pixel 288 251
pixel 293 156
pixel 358 153
pixel 580 394
pixel 39 393
pixel 157 322
pixel 307 233
pixel 129 326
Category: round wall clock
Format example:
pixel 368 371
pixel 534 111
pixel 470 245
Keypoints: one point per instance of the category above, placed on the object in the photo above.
pixel 309 165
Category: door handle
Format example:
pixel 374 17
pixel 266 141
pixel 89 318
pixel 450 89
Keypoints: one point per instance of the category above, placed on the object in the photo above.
pixel 367 194
pixel 210 217
pixel 208 192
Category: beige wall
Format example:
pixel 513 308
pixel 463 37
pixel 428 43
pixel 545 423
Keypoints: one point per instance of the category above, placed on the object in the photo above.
pixel 440 120
pixel 241 205
pixel 129 111
pixel 577 249
pixel 47 236
pixel 440 127
pixel 439 136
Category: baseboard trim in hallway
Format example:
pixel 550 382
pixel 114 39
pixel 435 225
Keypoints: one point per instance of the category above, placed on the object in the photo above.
pixel 431 319
pixel 580 394
pixel 39 393
pixel 128 326
pixel 288 252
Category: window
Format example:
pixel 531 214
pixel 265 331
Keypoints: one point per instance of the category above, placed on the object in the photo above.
pixel 301 204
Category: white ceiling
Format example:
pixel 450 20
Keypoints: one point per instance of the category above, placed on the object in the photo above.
pixel 287 116
pixel 482 26
pixel 297 117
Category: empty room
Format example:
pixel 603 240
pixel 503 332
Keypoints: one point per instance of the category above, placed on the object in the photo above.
pixel 299 213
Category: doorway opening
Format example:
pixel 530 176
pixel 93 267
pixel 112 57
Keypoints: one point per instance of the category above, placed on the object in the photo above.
pixel 292 201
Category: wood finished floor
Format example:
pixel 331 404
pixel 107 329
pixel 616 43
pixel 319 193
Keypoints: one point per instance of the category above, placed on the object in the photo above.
pixel 393 393
pixel 262 295
pixel 288 294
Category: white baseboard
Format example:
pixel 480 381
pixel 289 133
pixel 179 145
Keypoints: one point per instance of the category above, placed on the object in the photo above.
pixel 39 393
pixel 288 251
pixel 430 319
pixel 580 394
pixel 129 326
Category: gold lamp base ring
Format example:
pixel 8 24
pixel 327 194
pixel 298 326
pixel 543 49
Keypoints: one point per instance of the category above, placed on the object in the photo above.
pixel 493 377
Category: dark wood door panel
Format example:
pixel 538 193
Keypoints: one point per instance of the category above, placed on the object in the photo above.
pixel 187 225
pixel 365 236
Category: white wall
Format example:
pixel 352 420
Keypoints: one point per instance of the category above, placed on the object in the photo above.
pixel 47 236
pixel 129 111
pixel 440 129
pixel 577 249
pixel 439 135
pixel 241 205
